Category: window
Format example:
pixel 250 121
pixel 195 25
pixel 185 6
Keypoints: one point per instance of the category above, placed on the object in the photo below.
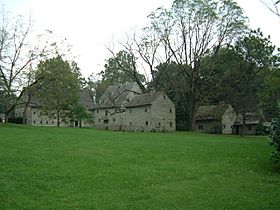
pixel 171 124
pixel 97 111
pixel 170 110
pixel 114 120
pixel 47 122
pixel 99 120
pixel 106 121
pixel 249 128
pixel 106 112
pixel 34 113
pixel 200 127
pixel 224 126
pixel 130 123
pixel 159 124
pixel 52 122
pixel 130 111
pixel 147 123
pixel 163 96
pixel 146 110
pixel 34 122
pixel 41 122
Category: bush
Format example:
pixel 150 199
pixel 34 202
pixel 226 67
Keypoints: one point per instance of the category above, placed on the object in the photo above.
pixel 17 120
pixel 262 130
pixel 275 138
pixel 217 128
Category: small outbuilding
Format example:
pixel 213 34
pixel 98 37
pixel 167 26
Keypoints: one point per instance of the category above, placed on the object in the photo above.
pixel 252 120
pixel 215 119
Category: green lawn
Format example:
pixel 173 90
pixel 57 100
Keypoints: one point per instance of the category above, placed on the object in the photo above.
pixel 64 168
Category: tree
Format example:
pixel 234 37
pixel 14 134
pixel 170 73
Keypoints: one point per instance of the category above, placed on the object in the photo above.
pixel 77 111
pixel 273 6
pixel 275 138
pixel 243 67
pixel 168 78
pixel 270 93
pixel 17 54
pixel 60 87
pixel 190 30
pixel 122 68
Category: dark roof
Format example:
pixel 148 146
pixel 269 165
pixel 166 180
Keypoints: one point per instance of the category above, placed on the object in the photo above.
pixel 143 99
pixel 115 95
pixel 251 119
pixel 213 112
pixel 86 100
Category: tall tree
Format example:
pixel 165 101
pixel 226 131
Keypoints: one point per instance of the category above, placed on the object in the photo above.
pixel 273 6
pixel 243 69
pixel 60 87
pixel 17 53
pixel 122 68
pixel 168 78
pixel 270 94
pixel 190 30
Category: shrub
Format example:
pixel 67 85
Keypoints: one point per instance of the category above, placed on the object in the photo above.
pixel 262 130
pixel 275 138
pixel 17 120
pixel 217 128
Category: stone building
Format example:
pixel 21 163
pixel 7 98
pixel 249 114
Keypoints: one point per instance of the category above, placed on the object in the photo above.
pixel 32 112
pixel 150 112
pixel 215 119
pixel 252 120
pixel 125 107
pixel 109 112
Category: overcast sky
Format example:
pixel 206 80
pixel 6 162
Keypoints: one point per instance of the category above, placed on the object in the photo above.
pixel 89 25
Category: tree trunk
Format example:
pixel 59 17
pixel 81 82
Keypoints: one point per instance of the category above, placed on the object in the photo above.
pixel 58 119
pixel 243 124
pixel 192 112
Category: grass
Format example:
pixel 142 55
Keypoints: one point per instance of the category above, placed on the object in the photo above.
pixel 64 168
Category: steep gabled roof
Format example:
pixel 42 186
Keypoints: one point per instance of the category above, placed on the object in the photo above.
pixel 86 100
pixel 143 99
pixel 116 95
pixel 213 112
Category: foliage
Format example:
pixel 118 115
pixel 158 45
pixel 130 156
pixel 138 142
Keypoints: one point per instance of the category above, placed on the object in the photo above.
pixel 262 130
pixel 270 93
pixel 77 111
pixel 17 54
pixel 90 169
pixel 242 69
pixel 275 138
pixel 189 31
pixel 60 87
pixel 17 120
pixel 217 128
pixel 121 68
pixel 169 79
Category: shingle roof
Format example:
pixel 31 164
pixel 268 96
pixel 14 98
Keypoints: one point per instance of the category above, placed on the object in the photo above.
pixel 213 112
pixel 87 100
pixel 143 99
pixel 251 118
pixel 115 95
